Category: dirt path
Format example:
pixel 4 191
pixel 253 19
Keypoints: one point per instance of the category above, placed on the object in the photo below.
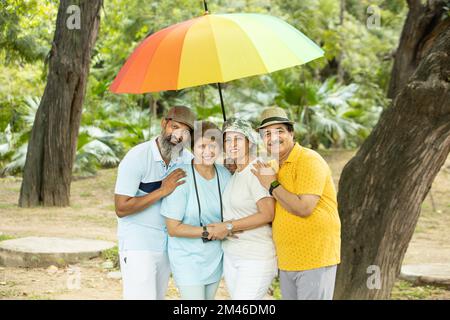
pixel 87 280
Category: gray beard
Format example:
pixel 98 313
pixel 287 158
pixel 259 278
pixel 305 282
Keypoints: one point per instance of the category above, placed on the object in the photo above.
pixel 168 150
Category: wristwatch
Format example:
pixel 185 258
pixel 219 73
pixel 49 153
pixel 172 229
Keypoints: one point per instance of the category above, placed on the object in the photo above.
pixel 273 185
pixel 229 227
pixel 205 233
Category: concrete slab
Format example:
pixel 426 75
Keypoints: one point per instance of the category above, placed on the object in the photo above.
pixel 33 252
pixel 433 274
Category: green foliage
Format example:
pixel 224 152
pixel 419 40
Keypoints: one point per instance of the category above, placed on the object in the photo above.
pixel 4 237
pixel 327 114
pixel 112 255
pixel 331 109
pixel 25 29
pixel 275 290
pixel 13 143
pixel 107 132
pixel 17 83
pixel 404 290
pixel 105 135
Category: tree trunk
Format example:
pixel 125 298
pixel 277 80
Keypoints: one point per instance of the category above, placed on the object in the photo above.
pixel 382 188
pixel 52 145
pixel 423 23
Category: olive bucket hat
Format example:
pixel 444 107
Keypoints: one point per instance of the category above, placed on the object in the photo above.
pixel 242 126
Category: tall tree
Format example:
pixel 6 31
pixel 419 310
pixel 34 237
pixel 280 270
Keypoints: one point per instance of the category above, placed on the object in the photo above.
pixel 52 146
pixel 382 188
pixel 423 23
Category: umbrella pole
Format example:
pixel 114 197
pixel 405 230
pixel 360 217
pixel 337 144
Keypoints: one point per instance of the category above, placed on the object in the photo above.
pixel 221 102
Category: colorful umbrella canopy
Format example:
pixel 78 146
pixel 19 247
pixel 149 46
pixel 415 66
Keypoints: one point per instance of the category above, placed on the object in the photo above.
pixel 213 48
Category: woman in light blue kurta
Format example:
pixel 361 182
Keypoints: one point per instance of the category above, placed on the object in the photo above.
pixel 195 262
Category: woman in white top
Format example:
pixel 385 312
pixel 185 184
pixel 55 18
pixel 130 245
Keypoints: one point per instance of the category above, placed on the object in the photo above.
pixel 250 262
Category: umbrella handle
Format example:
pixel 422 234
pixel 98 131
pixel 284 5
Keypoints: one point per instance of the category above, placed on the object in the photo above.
pixel 205 4
pixel 221 102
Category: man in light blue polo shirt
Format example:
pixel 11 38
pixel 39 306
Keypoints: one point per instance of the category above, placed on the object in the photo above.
pixel 142 181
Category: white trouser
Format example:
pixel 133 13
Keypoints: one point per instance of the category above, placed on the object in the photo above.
pixel 145 274
pixel 248 279
pixel 201 292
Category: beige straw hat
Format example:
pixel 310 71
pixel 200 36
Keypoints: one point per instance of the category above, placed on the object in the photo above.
pixel 274 115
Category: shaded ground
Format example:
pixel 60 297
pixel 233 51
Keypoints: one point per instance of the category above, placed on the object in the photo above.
pixel 91 215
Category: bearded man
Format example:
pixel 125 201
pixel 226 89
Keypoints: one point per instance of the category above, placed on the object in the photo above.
pixel 142 181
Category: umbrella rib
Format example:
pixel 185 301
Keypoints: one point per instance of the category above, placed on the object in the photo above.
pixel 178 87
pixel 174 29
pixel 253 45
pixel 147 67
pixel 136 52
pixel 217 51
pixel 274 36
pixel 301 34
pixel 129 62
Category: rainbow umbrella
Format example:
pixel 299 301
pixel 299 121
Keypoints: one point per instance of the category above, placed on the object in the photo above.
pixel 213 48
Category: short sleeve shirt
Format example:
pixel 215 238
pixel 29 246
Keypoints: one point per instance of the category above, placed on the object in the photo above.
pixel 194 262
pixel 141 172
pixel 240 200
pixel 314 241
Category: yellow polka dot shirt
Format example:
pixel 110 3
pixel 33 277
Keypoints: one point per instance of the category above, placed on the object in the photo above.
pixel 314 241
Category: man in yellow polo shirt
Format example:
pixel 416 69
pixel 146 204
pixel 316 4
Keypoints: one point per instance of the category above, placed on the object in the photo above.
pixel 306 228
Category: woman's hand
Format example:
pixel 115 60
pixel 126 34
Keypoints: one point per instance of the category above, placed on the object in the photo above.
pixel 219 231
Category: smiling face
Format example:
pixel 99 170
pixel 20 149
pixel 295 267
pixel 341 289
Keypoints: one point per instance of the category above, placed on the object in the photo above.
pixel 174 136
pixel 206 150
pixel 278 139
pixel 236 145
pixel 174 132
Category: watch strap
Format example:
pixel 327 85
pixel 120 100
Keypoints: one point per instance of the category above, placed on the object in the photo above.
pixel 273 185
pixel 205 232
pixel 229 226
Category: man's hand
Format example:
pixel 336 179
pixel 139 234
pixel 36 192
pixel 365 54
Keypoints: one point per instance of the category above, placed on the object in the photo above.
pixel 172 181
pixel 265 174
